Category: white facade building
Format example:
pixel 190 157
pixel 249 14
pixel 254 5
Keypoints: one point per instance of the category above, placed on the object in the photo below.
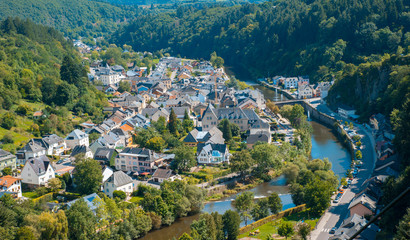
pixel 37 171
pixel 9 184
pixel 76 138
pixel 119 181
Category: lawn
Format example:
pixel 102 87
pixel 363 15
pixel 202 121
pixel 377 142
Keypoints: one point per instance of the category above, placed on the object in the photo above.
pixel 272 227
pixel 31 195
pixel 135 199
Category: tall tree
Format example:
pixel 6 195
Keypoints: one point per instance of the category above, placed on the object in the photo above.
pixel 81 221
pixel 260 209
pixel 274 203
pixel 243 204
pixel 173 123
pixel 184 159
pixel 241 161
pixel 231 221
pixel 286 229
pixel 225 127
pixel 88 176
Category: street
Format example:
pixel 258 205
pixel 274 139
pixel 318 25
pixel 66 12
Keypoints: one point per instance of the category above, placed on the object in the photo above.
pixel 337 212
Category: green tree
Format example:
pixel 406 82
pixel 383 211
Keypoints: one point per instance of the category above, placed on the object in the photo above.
pixel 187 123
pixel 274 203
pixel 8 120
pixel 119 194
pixel 81 221
pixel 260 209
pixel 156 144
pixel 231 221
pixel 225 127
pixel 54 184
pixel 241 161
pixel 204 228
pixel 184 159
pixel 185 236
pixel 173 123
pixel 267 159
pixel 140 221
pixel 7 171
pixel 243 204
pixel 285 229
pixel 317 196
pixel 303 230
pixel 358 154
pixel 88 176
pixel 125 86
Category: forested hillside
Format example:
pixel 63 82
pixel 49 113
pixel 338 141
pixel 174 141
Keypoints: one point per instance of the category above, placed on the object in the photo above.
pixel 73 17
pixel 31 60
pixel 291 37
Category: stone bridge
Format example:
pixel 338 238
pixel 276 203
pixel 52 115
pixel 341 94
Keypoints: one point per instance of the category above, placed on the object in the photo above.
pixel 290 102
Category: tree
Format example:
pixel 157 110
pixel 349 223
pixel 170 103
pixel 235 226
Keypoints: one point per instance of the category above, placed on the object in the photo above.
pixel 88 176
pixel 187 123
pixel 155 220
pixel 125 86
pixel 173 123
pixel 231 221
pixel 8 121
pixel 185 236
pixel 73 72
pixel 54 184
pixel 274 203
pixel 291 172
pixel 285 229
pixel 119 194
pixel 303 230
pixel 243 203
pixel 225 127
pixel 7 171
pixel 317 196
pixel 81 221
pixel 272 106
pixel 7 139
pixel 241 161
pixel 156 143
pixel 266 158
pixel 359 154
pixel 140 221
pixel 260 209
pixel 184 159
pixel 204 228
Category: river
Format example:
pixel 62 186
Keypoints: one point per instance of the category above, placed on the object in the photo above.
pixel 324 144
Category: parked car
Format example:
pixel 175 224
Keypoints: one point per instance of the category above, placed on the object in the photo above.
pixel 333 230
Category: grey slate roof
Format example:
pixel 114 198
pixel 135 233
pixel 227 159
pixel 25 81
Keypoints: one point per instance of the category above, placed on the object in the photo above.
pixel 119 178
pixel 259 137
pixel 39 164
pixel 104 154
pixel 162 173
pixel 365 200
pixel 79 149
pixel 216 147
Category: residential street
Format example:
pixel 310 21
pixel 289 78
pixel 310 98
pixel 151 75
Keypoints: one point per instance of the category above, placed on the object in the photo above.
pixel 335 215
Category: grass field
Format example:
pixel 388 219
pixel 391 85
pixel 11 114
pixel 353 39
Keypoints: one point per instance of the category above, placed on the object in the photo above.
pixel 271 228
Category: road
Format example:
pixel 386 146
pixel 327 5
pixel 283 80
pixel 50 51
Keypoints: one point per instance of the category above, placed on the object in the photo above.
pixel 337 212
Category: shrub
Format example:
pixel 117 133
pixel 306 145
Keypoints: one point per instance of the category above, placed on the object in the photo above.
pixel 119 194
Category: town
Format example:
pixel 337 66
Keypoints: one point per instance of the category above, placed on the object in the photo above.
pixel 185 120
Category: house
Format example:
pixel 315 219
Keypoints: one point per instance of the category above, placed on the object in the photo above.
pixel 107 76
pixel 160 175
pixel 262 136
pixel 352 225
pixel 137 160
pixel 11 185
pixel 346 111
pixel 107 173
pixel 81 149
pixel 31 150
pixel 37 171
pixel 7 160
pixel 104 155
pixel 362 205
pixel 304 91
pixel 77 137
pixel 241 117
pixel 119 181
pixel 92 201
pixel 291 82
pixel 54 144
pixel 214 135
pixel 212 153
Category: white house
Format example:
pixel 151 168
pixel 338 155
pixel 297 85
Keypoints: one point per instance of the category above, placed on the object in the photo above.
pixel 291 82
pixel 37 171
pixel 161 175
pixel 7 160
pixel 212 153
pixel 12 185
pixel 346 111
pixel 119 181
pixel 77 137
pixel 305 91
pixel 31 150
